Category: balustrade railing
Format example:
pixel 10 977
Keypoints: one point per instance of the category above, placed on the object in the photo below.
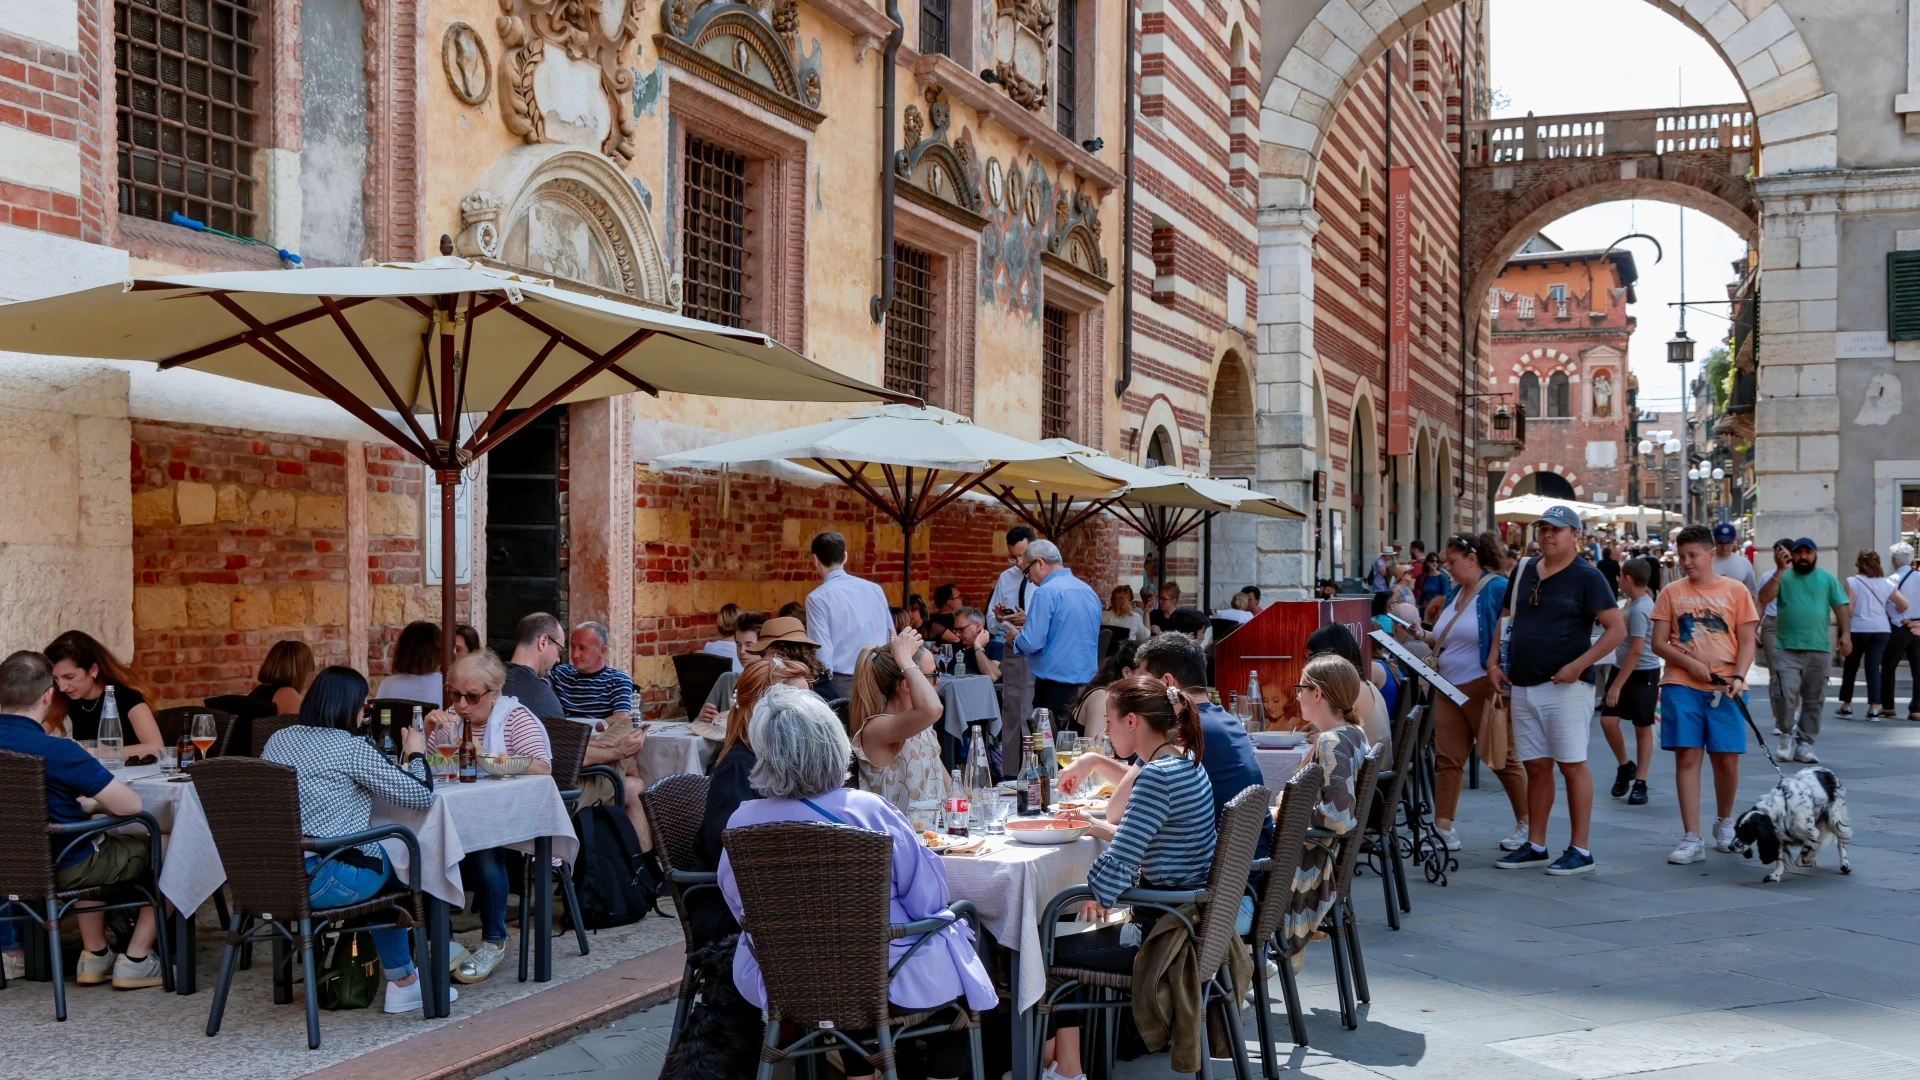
pixel 1590 135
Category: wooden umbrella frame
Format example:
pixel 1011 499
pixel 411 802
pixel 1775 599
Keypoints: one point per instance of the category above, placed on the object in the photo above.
pixel 909 498
pixel 442 373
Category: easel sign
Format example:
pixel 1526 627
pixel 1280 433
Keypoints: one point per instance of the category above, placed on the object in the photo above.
pixel 1418 667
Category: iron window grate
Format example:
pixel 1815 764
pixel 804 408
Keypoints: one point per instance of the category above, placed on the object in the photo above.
pixel 1056 377
pixel 909 364
pixel 183 84
pixel 714 234
pixel 935 23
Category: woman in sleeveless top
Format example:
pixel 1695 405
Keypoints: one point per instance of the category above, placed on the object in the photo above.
pixel 1873 596
pixel 890 719
pixel 1328 692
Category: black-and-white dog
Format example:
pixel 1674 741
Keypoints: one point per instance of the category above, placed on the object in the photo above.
pixel 1801 811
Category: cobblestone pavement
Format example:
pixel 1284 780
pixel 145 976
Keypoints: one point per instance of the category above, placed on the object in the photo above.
pixel 1639 969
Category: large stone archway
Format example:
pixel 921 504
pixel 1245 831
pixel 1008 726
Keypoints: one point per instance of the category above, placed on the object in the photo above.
pixel 1232 452
pixel 1315 51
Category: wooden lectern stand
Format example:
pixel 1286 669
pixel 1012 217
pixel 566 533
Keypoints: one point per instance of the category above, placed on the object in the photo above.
pixel 1274 646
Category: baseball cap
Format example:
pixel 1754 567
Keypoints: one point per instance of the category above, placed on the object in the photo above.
pixel 1804 542
pixel 1725 533
pixel 1563 516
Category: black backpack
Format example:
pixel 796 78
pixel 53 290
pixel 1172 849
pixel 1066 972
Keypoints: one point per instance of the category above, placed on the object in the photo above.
pixel 615 883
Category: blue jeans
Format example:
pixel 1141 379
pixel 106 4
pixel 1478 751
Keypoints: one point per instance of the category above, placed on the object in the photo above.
pixel 336 884
pixel 487 877
pixel 8 939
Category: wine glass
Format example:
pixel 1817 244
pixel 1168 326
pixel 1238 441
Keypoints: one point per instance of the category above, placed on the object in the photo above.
pixel 203 733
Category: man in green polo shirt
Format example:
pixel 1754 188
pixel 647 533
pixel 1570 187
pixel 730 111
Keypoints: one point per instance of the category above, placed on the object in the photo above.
pixel 1808 597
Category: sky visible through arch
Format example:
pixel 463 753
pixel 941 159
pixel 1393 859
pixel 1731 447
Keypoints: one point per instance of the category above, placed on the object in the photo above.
pixel 1571 56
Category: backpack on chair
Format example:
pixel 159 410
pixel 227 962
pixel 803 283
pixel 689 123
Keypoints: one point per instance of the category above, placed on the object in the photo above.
pixel 616 884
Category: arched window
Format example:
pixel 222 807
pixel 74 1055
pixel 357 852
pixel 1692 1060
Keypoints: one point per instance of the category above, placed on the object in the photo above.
pixel 1530 393
pixel 1557 395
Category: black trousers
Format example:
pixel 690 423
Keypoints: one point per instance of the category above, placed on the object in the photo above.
pixel 1056 698
pixel 1903 645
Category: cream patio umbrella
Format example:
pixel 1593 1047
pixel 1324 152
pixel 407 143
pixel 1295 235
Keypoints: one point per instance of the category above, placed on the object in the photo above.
pixel 1527 508
pixel 909 462
pixel 1640 516
pixel 440 339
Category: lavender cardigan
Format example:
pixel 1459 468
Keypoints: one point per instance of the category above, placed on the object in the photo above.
pixel 944 969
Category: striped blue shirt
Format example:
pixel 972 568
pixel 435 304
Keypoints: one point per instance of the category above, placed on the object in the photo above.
pixel 593 697
pixel 1166 836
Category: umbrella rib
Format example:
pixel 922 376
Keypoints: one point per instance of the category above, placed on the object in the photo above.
pixel 464 358
pixel 853 478
pixel 303 370
pixel 559 393
pixel 619 351
pixel 513 392
pixel 373 368
pixel 275 327
pixel 1086 513
pixel 955 491
pixel 1012 502
pixel 638 383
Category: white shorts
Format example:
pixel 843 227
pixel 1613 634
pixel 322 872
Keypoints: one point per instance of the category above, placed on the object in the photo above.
pixel 1551 720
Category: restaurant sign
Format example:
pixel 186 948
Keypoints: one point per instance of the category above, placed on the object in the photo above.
pixel 1399 308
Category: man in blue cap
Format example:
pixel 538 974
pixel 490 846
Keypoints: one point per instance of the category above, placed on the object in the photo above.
pixel 1728 562
pixel 1553 604
pixel 1808 598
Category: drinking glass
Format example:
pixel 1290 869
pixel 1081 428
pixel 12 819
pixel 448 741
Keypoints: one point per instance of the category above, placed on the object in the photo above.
pixel 999 809
pixel 203 733
pixel 446 769
pixel 169 761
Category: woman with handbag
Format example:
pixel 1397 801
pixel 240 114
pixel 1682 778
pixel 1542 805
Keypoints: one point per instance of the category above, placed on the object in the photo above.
pixel 1460 639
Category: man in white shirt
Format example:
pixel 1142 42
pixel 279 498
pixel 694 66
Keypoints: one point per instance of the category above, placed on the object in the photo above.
pixel 1011 587
pixel 1010 591
pixel 1728 562
pixel 845 613
pixel 1905 642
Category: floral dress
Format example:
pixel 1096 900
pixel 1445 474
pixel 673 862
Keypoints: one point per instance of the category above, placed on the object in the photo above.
pixel 915 774
pixel 1340 753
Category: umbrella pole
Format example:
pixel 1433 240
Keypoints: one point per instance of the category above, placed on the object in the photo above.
pixel 906 561
pixel 449 563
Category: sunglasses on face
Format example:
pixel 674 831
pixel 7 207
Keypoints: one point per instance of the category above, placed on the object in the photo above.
pixel 456 696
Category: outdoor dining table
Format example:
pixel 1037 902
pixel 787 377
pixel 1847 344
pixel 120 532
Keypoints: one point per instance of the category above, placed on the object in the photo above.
pixel 523 812
pixel 1010 883
pixel 1277 766
pixel 672 748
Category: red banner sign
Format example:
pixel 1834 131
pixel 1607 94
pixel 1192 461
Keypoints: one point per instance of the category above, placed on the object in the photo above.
pixel 1399 308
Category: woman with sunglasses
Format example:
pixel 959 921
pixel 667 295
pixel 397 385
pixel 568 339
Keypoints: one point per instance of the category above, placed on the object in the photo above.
pixel 500 725
pixel 1328 692
pixel 1462 640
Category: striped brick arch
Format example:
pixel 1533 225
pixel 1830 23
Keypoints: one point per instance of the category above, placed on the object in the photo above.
pixel 1515 475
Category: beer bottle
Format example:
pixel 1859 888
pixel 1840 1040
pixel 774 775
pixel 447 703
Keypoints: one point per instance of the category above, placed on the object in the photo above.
pixel 1031 790
pixel 469 759
pixel 388 749
pixel 183 751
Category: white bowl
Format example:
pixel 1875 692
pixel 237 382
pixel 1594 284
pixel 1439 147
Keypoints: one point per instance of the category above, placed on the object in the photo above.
pixel 504 765
pixel 1278 740
pixel 1044 831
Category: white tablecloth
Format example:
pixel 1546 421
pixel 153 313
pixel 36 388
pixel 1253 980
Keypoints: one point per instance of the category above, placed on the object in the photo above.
pixel 670 749
pixel 464 818
pixel 1278 766
pixel 1011 885
pixel 967 700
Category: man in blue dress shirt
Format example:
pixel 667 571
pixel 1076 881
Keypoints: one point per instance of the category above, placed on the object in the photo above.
pixel 1059 631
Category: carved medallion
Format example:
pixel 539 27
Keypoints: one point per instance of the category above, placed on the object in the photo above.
pixel 464 56
pixel 1074 237
pixel 562 76
pixel 995 189
pixel 939 172
pixel 751 47
pixel 1022 43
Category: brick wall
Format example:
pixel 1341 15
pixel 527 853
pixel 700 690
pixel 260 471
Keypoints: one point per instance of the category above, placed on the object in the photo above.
pixel 689 560
pixel 240 541
pixel 52 92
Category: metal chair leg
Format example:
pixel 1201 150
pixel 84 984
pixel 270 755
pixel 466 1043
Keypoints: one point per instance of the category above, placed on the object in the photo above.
pixel 1230 1009
pixel 685 1004
pixel 1400 873
pixel 1385 838
pixel 526 923
pixel 573 911
pixel 59 966
pixel 1353 947
pixel 160 918
pixel 282 970
pixel 1290 990
pixel 770 1040
pixel 1343 976
pixel 1206 1044
pixel 973 1049
pixel 884 1036
pixel 229 960
pixel 1262 1009
pixel 312 988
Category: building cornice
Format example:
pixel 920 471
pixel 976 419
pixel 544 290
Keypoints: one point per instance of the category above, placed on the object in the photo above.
pixel 1854 191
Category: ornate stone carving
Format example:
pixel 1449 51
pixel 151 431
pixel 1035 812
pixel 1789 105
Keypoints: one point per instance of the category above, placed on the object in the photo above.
pixel 752 47
pixel 464 56
pixel 562 77
pixel 1022 45
pixel 572 215
pixel 1075 235
pixel 935 165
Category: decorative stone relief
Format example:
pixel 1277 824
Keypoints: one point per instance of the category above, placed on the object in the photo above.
pixel 464 56
pixel 569 214
pixel 753 48
pixel 562 79
pixel 935 165
pixel 1022 44
pixel 1075 234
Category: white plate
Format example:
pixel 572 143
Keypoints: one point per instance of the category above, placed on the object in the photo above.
pixel 1278 740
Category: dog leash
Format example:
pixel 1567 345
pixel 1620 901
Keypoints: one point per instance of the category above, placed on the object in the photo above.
pixel 1740 703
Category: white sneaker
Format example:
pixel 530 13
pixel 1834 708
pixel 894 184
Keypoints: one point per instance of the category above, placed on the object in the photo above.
pixel 1691 849
pixel 399 999
pixel 1515 838
pixel 93 968
pixel 131 974
pixel 1723 834
pixel 1783 748
pixel 14 964
pixel 1049 1074
pixel 1448 837
pixel 1803 753
pixel 481 964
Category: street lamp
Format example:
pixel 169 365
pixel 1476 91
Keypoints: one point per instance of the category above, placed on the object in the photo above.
pixel 1672 449
pixel 1680 348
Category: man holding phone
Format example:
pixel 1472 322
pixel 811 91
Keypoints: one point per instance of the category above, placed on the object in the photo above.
pixel 1010 591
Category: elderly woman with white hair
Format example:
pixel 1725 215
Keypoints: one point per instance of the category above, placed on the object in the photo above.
pixel 802 755
pixel 499 725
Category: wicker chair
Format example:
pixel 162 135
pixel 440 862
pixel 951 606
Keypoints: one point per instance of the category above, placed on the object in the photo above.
pixel 237 735
pixel 676 807
pixel 567 740
pixel 696 673
pixel 1219 903
pixel 1297 805
pixel 1349 969
pixel 27 866
pixel 1383 829
pixel 259 730
pixel 253 812
pixel 178 721
pixel 829 976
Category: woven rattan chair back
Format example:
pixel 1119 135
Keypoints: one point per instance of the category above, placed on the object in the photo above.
pixel 696 673
pixel 26 860
pixel 1404 744
pixel 815 898
pixel 253 812
pixel 1349 850
pixel 178 721
pixel 1297 805
pixel 567 741
pixel 1233 848
pixel 676 806
pixel 265 727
